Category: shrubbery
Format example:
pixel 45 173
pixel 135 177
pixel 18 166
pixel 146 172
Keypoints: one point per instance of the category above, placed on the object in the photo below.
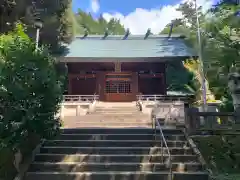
pixel 31 90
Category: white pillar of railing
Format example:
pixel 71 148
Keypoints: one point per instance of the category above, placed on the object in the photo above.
pixel 62 111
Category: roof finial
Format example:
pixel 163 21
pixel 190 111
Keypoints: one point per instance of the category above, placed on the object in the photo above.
pixel 148 33
pixel 86 30
pixel 170 31
pixel 106 33
pixel 126 34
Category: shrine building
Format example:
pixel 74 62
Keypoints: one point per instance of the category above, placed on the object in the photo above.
pixel 118 68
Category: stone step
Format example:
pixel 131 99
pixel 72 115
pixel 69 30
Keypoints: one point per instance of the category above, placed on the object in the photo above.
pixel 117 113
pixel 113 143
pixel 119 131
pixel 84 167
pixel 111 120
pixel 96 158
pixel 106 119
pixel 120 108
pixel 104 123
pixel 117 110
pixel 110 126
pixel 115 175
pixel 115 150
pixel 119 137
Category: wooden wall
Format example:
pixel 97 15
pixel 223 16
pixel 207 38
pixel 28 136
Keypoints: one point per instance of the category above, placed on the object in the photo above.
pixel 81 84
pixel 89 84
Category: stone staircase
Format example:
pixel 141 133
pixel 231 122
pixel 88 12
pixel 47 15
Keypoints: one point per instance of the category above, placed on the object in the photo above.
pixel 115 154
pixel 108 115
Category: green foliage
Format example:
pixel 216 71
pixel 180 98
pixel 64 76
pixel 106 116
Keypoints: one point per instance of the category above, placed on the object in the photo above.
pixel 220 40
pixel 176 30
pixel 57 17
pixel 30 93
pixel 60 24
pixel 220 152
pixel 67 26
pixel 97 26
pixel 177 77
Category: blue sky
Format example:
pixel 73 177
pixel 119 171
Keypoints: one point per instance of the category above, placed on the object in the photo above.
pixel 123 6
pixel 137 15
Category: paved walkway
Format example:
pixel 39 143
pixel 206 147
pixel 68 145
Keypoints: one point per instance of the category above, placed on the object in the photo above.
pixel 110 115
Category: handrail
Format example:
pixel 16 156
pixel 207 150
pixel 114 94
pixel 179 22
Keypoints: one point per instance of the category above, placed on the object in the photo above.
pixel 163 141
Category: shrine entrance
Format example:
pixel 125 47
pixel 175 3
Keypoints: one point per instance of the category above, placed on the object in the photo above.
pixel 118 87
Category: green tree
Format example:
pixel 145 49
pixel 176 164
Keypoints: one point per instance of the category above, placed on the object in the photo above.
pixel 219 39
pixel 30 93
pixel 98 26
pixel 57 17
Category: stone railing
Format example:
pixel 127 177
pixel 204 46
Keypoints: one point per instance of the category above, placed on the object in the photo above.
pixel 155 97
pixel 208 122
pixel 80 104
pixel 80 98
pixel 171 113
pixel 146 103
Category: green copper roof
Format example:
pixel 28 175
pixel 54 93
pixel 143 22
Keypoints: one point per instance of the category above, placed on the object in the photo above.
pixel 133 46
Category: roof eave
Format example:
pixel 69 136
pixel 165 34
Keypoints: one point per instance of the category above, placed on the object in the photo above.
pixel 123 59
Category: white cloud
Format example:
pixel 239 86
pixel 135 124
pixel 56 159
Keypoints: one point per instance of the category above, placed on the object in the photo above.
pixel 140 20
pixel 95 6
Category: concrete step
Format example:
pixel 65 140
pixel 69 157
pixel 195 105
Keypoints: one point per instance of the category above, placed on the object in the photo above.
pixel 96 158
pixel 119 131
pixel 200 175
pixel 116 108
pixel 128 108
pixel 107 125
pixel 114 150
pixel 119 137
pixel 112 118
pixel 116 124
pixel 113 143
pixel 134 110
pixel 114 121
pixel 117 114
pixel 83 167
pixel 105 119
pixel 115 175
pixel 120 114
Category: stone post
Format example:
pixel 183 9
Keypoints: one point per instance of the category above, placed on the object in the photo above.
pixel 234 88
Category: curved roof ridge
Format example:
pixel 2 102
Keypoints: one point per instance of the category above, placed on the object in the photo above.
pixel 130 37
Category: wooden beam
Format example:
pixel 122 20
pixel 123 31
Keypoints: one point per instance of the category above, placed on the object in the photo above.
pixel 118 66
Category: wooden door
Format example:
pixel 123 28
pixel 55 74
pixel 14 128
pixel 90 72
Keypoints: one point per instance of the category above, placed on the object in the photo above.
pixel 118 87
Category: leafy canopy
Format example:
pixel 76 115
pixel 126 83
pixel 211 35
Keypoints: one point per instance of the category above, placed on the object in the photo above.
pixel 30 92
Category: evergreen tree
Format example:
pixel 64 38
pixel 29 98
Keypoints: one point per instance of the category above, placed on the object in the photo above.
pixel 98 26
pixel 57 17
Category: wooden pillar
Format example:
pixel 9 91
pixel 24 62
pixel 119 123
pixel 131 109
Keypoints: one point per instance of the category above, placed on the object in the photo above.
pixel 134 85
pixel 117 66
pixel 70 84
pixel 100 83
pixel 164 82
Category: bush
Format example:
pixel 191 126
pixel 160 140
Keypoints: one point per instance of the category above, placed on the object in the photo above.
pixel 30 92
pixel 221 153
